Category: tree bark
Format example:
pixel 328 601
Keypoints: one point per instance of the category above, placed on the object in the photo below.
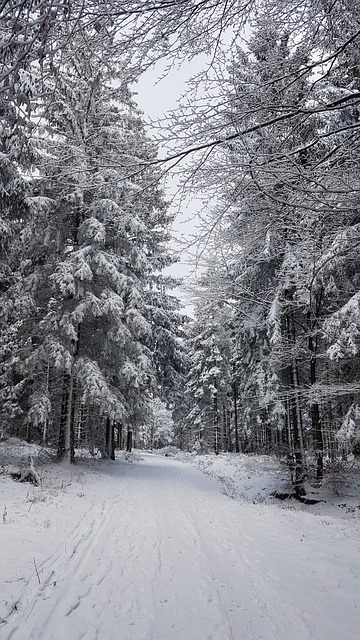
pixel 119 436
pixel 236 425
pixel 69 431
pixel 129 441
pixel 63 414
pixel 109 439
pixel 295 413
pixel 216 423
pixel 316 424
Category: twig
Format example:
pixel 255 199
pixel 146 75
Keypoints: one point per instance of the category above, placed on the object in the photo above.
pixel 36 569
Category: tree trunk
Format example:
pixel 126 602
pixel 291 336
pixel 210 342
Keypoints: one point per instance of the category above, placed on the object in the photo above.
pixel 109 439
pixel 129 441
pixel 64 401
pixel 295 414
pixel 229 434
pixel 225 441
pixel 69 431
pixel 152 433
pixel 119 436
pixel 112 441
pixel 216 424
pixel 45 425
pixel 66 444
pixel 236 424
pixel 66 436
pixel 79 422
pixel 315 411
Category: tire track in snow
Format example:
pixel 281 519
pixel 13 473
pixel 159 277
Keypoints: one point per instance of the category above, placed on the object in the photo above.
pixel 68 561
pixel 167 559
pixel 242 602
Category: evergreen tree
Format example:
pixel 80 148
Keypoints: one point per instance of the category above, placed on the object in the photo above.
pixel 208 387
pixel 88 364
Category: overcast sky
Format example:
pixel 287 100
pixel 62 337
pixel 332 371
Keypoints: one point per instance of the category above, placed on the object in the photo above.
pixel 156 98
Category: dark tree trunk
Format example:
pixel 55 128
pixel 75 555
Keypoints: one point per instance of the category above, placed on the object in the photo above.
pixel 63 415
pixel 319 443
pixel 112 444
pixel 66 440
pixel 109 439
pixel 120 443
pixel 295 414
pixel 315 410
pixel 66 432
pixel 229 434
pixel 129 441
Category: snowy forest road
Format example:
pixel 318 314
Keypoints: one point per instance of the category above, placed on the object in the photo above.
pixel 165 555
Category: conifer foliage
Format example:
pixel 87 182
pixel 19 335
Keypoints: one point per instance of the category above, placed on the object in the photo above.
pixel 286 230
pixel 83 351
pixel 90 332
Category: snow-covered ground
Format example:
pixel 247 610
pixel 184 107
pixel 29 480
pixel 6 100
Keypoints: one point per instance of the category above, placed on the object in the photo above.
pixel 150 548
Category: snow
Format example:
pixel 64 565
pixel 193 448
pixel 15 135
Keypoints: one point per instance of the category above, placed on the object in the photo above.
pixel 151 548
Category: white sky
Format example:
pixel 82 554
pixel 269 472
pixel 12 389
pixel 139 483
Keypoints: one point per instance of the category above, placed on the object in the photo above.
pixel 156 95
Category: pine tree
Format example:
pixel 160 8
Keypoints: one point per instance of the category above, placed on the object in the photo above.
pixel 91 350
pixel 208 386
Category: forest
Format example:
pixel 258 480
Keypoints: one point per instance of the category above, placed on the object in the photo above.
pixel 94 348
